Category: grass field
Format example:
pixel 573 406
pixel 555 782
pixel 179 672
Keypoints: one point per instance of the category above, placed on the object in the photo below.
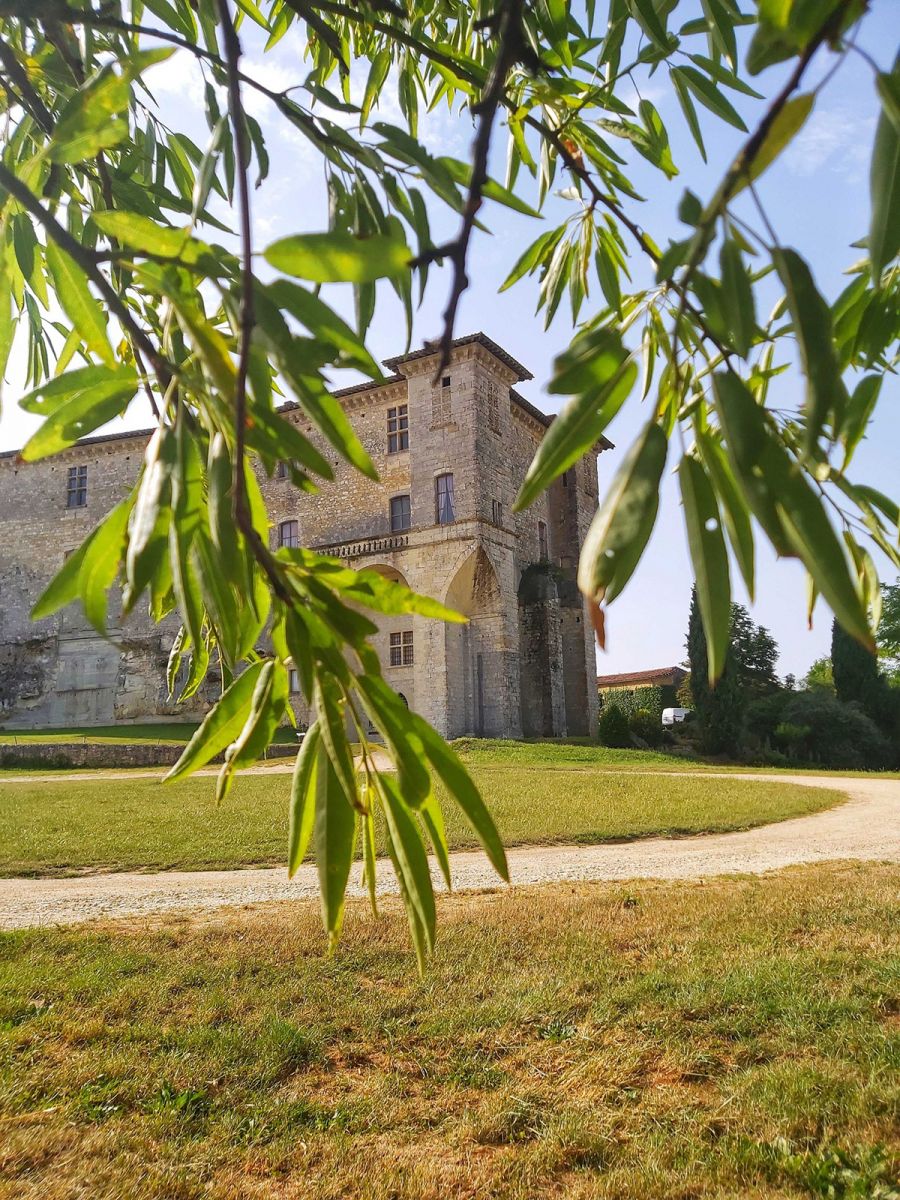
pixel 739 1038
pixel 67 826
pixel 498 752
pixel 483 751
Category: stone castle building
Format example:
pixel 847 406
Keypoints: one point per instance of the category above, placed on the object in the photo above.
pixel 451 455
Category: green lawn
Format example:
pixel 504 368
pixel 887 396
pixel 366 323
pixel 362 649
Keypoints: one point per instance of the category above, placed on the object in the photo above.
pixel 733 1039
pixel 66 826
pixel 496 752
pixel 484 751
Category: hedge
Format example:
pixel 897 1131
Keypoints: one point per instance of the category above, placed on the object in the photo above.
pixel 654 699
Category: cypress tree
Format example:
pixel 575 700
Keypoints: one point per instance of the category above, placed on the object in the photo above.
pixel 856 675
pixel 719 710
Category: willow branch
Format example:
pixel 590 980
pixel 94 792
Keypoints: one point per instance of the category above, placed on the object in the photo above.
pixel 162 368
pixel 739 173
pixel 246 318
pixel 507 28
pixel 102 20
pixel 31 101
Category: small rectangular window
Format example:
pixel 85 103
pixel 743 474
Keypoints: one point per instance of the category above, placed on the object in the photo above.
pixel 398 428
pixel 497 512
pixel 493 407
pixel 289 535
pixel 281 470
pixel 445 503
pixel 293 680
pixel 401 516
pixel 542 541
pixel 401 649
pixel 441 403
pixel 76 487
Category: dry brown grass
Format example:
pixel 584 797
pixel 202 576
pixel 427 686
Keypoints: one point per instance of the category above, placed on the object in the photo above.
pixel 730 1038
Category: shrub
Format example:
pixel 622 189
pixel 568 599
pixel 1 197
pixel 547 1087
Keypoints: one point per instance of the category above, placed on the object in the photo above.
pixel 765 714
pixel 791 736
pixel 613 727
pixel 647 726
pixel 839 735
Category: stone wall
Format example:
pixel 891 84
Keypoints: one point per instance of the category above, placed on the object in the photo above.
pixel 50 756
pixel 466 680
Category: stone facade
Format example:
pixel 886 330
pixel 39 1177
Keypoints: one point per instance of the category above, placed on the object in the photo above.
pixel 524 663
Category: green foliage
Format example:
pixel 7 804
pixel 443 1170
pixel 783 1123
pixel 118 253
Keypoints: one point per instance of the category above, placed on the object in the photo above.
pixel 646 725
pixel 112 217
pixel 820 676
pixel 838 735
pixel 857 678
pixel 789 735
pixel 755 652
pixel 764 715
pixel 651 699
pixel 888 633
pixel 719 708
pixel 613 727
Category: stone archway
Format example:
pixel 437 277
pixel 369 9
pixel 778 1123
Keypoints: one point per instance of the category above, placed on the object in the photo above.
pixel 475 651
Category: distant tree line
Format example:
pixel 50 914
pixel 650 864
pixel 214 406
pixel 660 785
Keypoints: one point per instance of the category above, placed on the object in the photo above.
pixel 845 712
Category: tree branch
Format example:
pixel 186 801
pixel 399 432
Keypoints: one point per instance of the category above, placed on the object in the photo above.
pixel 19 77
pixel 739 171
pixel 232 47
pixel 507 29
pixel 247 319
pixel 101 20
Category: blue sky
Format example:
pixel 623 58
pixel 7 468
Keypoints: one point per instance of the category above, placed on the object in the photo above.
pixel 816 196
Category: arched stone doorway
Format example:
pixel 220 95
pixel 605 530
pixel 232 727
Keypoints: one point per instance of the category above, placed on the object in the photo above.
pixel 476 686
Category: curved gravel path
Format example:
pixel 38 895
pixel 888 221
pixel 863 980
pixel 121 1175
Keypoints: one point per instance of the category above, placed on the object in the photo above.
pixel 866 827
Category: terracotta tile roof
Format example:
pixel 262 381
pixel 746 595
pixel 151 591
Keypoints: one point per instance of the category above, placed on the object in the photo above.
pixel 657 675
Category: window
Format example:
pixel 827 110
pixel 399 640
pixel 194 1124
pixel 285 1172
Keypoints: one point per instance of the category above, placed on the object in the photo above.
pixel 445 506
pixel 402 649
pixel 281 470
pixel 542 541
pixel 76 487
pixel 497 512
pixel 493 407
pixel 400 513
pixel 441 411
pixel 293 680
pixel 398 429
pixel 289 534
pixel 565 479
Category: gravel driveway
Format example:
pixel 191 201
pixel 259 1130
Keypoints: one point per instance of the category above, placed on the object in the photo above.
pixel 866 827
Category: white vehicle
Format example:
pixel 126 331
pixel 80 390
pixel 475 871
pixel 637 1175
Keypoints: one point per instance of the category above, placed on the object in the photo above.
pixel 674 716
